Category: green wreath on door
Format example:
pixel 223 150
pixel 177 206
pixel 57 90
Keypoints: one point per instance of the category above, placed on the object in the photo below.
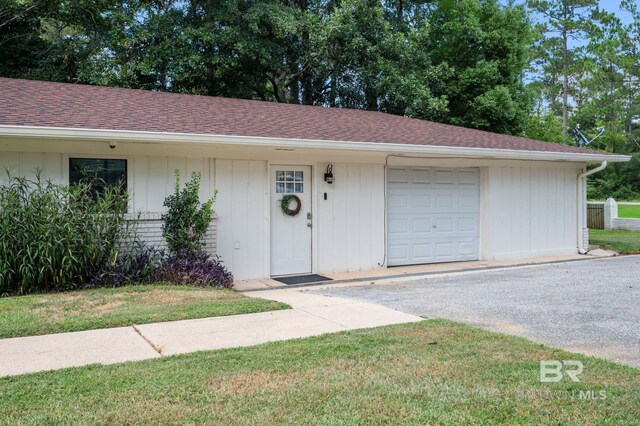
pixel 286 201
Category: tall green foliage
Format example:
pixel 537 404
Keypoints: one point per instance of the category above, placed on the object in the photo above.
pixel 620 181
pixel 55 237
pixel 459 62
pixel 609 92
pixel 186 221
pixel 589 77
pixel 483 46
pixel 560 55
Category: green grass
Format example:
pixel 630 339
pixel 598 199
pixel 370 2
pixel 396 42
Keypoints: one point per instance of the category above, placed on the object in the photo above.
pixel 620 241
pixel 632 212
pixel 113 307
pixel 422 373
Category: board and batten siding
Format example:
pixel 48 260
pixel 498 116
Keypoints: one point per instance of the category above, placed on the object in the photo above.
pixel 529 211
pixel 242 223
pixel 349 227
pixel 25 164
pixel 350 223
pixel 152 178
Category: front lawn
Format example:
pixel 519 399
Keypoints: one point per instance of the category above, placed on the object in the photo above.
pixel 620 241
pixel 123 306
pixel 433 372
pixel 632 212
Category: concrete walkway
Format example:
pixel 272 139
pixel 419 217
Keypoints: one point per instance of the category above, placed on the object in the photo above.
pixel 310 315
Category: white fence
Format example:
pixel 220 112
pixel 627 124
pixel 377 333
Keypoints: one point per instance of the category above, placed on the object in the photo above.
pixel 612 221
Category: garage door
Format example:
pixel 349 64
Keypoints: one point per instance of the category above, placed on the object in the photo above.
pixel 432 215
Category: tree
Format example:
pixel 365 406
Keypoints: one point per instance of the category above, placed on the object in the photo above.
pixel 481 49
pixel 565 25
pixel 370 65
pixel 20 44
pixel 601 90
pixel 459 62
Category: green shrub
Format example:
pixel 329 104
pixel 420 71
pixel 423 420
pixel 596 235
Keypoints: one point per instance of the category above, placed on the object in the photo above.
pixel 619 180
pixel 186 222
pixel 56 237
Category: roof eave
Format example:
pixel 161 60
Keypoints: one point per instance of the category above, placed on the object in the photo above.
pixel 392 148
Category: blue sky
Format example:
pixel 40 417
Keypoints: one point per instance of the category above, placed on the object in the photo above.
pixel 614 7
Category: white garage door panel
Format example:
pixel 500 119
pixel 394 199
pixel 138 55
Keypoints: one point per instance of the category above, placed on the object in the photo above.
pixel 433 215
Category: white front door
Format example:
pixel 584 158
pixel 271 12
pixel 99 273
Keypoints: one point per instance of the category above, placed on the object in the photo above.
pixel 433 215
pixel 291 233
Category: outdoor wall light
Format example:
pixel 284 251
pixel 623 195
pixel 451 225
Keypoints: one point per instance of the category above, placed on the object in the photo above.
pixel 328 176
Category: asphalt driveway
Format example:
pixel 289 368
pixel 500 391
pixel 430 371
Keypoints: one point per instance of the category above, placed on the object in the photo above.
pixel 591 306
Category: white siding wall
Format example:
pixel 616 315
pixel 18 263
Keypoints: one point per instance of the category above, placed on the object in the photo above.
pixel 152 178
pixel 242 223
pixel 26 163
pixel 350 223
pixel 529 211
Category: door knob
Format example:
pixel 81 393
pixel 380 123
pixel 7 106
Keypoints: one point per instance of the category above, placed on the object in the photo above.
pixel 309 224
pixel 308 215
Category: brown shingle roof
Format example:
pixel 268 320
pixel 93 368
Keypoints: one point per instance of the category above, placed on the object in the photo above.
pixel 38 103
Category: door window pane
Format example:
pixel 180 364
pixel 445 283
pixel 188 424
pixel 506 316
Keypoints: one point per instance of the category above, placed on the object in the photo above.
pixel 289 181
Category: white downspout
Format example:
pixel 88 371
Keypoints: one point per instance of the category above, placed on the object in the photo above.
pixel 581 187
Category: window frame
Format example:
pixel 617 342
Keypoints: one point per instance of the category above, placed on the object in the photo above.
pixel 294 181
pixel 127 169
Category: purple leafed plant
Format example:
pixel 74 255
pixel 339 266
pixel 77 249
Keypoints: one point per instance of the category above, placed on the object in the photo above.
pixel 188 268
pixel 137 263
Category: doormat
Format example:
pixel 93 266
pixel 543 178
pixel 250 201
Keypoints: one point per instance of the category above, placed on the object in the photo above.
pixel 303 279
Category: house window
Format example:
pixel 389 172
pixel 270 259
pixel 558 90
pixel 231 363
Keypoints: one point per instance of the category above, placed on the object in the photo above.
pixel 98 172
pixel 289 182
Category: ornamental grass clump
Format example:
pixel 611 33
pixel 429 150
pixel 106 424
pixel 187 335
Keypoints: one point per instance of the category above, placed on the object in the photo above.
pixel 184 228
pixel 55 237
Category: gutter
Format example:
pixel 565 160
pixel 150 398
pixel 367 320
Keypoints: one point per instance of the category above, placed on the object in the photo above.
pixel 581 187
pixel 289 143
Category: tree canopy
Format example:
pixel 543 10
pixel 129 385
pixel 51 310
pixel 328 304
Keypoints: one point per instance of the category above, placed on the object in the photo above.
pixel 540 69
